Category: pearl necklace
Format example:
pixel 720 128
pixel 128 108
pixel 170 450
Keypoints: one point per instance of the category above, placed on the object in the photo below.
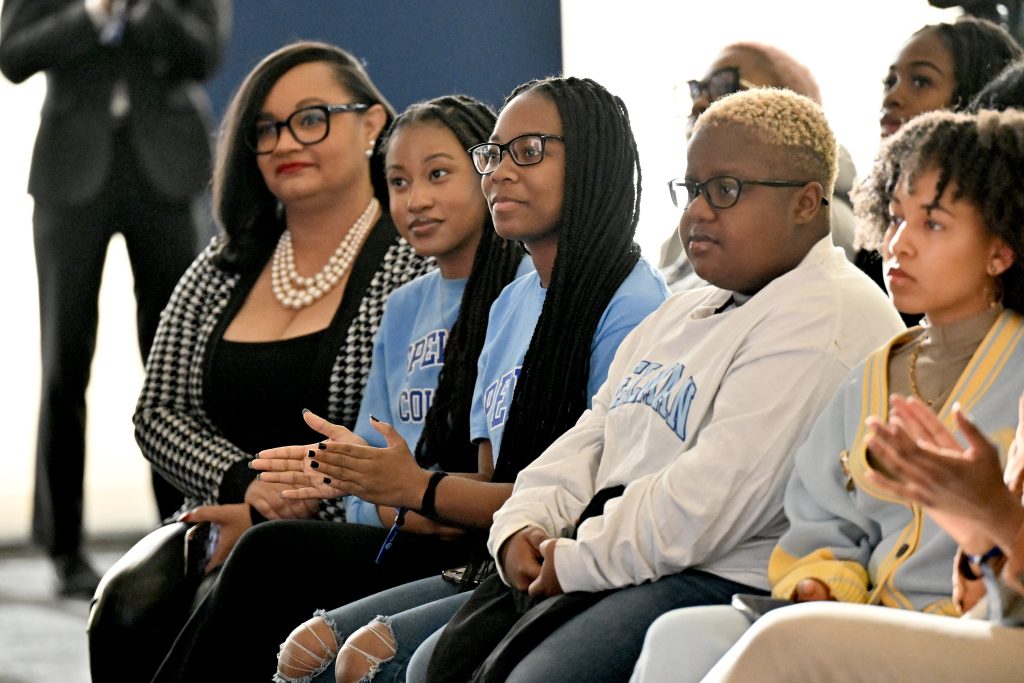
pixel 295 291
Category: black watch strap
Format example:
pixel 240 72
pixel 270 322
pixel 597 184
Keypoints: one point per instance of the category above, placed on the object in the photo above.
pixel 427 507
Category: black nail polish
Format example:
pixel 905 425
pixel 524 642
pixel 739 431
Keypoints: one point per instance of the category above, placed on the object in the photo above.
pixel 374 418
pixel 314 464
pixel 311 453
pixel 321 445
pixel 327 480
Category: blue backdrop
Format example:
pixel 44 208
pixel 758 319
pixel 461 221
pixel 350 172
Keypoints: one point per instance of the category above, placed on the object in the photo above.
pixel 412 49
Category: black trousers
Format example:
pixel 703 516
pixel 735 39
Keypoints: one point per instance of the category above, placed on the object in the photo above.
pixel 70 247
pixel 276 576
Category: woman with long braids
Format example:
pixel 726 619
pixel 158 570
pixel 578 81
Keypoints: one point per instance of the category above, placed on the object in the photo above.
pixel 287 590
pixel 561 175
pixel 424 367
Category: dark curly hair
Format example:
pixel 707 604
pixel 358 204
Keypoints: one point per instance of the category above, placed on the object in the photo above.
pixel 1005 91
pixel 980 49
pixel 980 155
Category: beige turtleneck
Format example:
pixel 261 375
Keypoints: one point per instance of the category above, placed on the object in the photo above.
pixel 945 352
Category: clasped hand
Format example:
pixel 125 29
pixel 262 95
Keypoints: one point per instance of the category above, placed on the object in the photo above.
pixel 528 560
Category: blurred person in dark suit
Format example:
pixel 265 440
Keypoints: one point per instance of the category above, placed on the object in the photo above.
pixel 123 147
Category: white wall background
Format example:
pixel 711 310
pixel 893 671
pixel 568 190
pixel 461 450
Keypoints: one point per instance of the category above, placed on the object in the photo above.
pixel 640 50
pixel 646 51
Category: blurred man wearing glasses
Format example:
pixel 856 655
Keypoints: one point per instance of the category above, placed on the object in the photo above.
pixel 123 147
pixel 741 66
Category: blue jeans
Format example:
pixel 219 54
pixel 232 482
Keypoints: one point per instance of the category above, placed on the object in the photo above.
pixel 412 611
pixel 602 642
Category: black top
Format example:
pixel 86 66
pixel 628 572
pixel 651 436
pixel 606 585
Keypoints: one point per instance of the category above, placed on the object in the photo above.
pixel 172 425
pixel 254 392
pixel 258 390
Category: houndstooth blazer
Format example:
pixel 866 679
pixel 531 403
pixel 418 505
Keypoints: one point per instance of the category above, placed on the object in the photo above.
pixel 171 425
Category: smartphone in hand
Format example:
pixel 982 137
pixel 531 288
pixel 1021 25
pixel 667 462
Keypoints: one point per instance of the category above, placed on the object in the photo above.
pixel 200 542
pixel 754 607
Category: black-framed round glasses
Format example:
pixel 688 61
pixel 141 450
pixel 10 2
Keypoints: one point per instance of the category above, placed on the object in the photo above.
pixel 525 150
pixel 308 126
pixel 722 192
pixel 721 82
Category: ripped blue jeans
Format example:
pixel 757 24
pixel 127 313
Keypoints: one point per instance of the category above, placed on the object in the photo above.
pixel 412 612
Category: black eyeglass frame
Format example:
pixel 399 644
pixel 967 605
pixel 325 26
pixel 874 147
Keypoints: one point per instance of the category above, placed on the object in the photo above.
pixel 699 88
pixel 507 147
pixel 327 110
pixel 695 187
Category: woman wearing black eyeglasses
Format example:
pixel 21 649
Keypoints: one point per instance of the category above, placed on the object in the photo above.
pixel 276 315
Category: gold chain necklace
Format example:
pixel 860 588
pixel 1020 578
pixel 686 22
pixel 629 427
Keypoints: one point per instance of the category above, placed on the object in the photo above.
pixel 913 374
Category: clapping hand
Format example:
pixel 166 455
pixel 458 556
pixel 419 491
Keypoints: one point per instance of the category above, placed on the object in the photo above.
pixel 961 489
pixel 293 466
pixel 346 464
